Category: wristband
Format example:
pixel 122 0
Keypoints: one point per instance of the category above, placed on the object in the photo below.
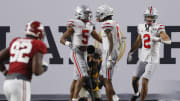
pixel 166 42
pixel 110 57
pixel 67 43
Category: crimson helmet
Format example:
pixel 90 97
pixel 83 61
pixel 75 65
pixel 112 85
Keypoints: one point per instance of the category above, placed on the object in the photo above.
pixel 35 29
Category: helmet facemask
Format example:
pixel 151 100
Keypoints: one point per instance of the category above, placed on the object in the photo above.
pixel 35 29
pixel 149 19
pixel 87 16
pixel 102 12
pixel 150 15
pixel 83 13
pixel 99 16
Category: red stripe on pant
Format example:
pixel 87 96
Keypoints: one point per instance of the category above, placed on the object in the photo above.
pixel 75 60
pixel 108 73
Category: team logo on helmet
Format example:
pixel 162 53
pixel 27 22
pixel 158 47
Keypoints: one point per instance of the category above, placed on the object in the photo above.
pixel 35 29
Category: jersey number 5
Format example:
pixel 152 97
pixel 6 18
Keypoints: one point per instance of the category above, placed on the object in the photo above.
pixel 18 50
pixel 85 36
pixel 147 41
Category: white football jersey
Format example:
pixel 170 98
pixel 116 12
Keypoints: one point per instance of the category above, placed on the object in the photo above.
pixel 114 27
pixel 82 31
pixel 150 49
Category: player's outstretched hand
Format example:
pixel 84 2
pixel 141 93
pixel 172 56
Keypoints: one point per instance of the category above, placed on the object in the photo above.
pixel 129 58
pixel 45 66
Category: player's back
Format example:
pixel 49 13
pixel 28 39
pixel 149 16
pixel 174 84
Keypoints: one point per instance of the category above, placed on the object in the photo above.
pixel 114 27
pixel 21 51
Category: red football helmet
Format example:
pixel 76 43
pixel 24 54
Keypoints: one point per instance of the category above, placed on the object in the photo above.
pixel 36 29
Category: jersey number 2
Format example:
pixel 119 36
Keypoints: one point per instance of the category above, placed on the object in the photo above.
pixel 147 41
pixel 18 50
pixel 85 36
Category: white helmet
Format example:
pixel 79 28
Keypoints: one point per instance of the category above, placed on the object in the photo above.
pixel 83 12
pixel 151 12
pixel 103 11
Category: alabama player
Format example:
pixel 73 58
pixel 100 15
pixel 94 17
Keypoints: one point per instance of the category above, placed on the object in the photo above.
pixel 79 29
pixel 150 34
pixel 25 59
pixel 111 47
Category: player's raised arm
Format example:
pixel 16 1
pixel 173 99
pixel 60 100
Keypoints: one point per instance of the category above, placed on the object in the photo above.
pixel 4 54
pixel 38 67
pixel 96 36
pixel 66 34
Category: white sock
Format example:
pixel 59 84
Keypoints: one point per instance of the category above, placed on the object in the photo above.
pixel 115 98
pixel 74 99
pixel 137 94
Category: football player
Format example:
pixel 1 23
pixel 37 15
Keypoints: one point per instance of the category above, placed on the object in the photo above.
pixel 79 29
pixel 151 34
pixel 25 59
pixel 111 47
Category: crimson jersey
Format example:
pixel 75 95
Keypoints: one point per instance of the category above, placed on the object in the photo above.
pixel 21 51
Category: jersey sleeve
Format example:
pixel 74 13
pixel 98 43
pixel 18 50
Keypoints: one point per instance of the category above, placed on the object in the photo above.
pixel 107 26
pixel 161 28
pixel 71 23
pixel 40 47
pixel 139 29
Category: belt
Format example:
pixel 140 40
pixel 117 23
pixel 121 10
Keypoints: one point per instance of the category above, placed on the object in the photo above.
pixel 16 76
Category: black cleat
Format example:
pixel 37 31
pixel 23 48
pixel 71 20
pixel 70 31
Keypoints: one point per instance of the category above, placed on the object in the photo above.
pixel 134 97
